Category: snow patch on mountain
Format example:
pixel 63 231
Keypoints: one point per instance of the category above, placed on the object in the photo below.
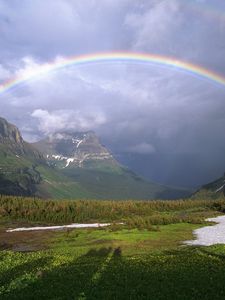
pixel 77 141
pixel 68 161
pixel 66 149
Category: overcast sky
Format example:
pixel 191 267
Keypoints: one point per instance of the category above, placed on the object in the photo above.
pixel 134 108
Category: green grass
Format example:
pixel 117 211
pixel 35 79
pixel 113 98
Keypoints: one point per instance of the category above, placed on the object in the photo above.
pixel 99 264
pixel 119 262
pixel 131 241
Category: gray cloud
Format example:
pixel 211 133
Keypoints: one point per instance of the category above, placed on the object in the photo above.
pixel 67 120
pixel 143 148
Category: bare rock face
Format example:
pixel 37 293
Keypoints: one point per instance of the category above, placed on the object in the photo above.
pixel 74 149
pixel 9 132
pixel 12 141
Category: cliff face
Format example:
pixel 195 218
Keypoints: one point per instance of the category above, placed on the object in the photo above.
pixel 12 142
pixel 9 133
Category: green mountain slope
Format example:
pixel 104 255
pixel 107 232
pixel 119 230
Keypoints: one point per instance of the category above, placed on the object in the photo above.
pixel 24 170
pixel 72 166
pixel 83 160
pixel 123 185
pixel 18 161
pixel 212 190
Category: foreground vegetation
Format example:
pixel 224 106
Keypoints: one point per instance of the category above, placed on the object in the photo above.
pixel 101 264
pixel 131 212
pixel 131 261
pixel 105 274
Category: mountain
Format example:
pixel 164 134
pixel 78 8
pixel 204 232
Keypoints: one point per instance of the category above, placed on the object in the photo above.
pixel 69 166
pixel 76 150
pixel 81 157
pixel 18 161
pixel 25 172
pixel 11 139
pixel 212 190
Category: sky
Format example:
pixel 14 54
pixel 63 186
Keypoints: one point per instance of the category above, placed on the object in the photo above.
pixel 139 109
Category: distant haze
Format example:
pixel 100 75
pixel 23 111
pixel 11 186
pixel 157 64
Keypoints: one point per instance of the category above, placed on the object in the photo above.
pixel 165 124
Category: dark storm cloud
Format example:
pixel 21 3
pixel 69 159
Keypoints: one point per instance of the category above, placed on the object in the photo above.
pixel 135 108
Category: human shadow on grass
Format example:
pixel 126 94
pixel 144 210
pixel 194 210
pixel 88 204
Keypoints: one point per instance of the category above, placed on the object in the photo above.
pixel 173 277
pixel 181 276
pixel 70 281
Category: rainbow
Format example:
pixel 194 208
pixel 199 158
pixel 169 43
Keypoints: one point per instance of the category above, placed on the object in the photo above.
pixel 111 57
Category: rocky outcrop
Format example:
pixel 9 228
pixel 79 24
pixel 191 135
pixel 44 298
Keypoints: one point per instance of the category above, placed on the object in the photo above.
pixel 12 142
pixel 9 132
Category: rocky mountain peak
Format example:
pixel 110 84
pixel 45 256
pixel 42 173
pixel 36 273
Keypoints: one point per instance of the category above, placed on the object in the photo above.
pixel 12 141
pixel 74 148
pixel 9 132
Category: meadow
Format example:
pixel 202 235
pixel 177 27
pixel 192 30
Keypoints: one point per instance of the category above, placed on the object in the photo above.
pixel 143 259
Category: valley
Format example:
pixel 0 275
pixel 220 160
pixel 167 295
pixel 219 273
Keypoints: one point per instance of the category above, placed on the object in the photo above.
pixel 70 166
pixel 71 178
pixel 112 150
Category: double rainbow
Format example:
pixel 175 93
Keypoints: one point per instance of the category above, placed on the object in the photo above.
pixel 119 57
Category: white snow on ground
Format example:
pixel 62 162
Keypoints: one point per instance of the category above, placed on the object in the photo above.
pixel 210 235
pixel 94 225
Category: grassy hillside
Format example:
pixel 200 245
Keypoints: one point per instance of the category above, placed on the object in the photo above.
pixel 75 166
pixel 27 175
pixel 83 160
pixel 18 174
pixel 212 190
pixel 22 174
pixel 122 184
